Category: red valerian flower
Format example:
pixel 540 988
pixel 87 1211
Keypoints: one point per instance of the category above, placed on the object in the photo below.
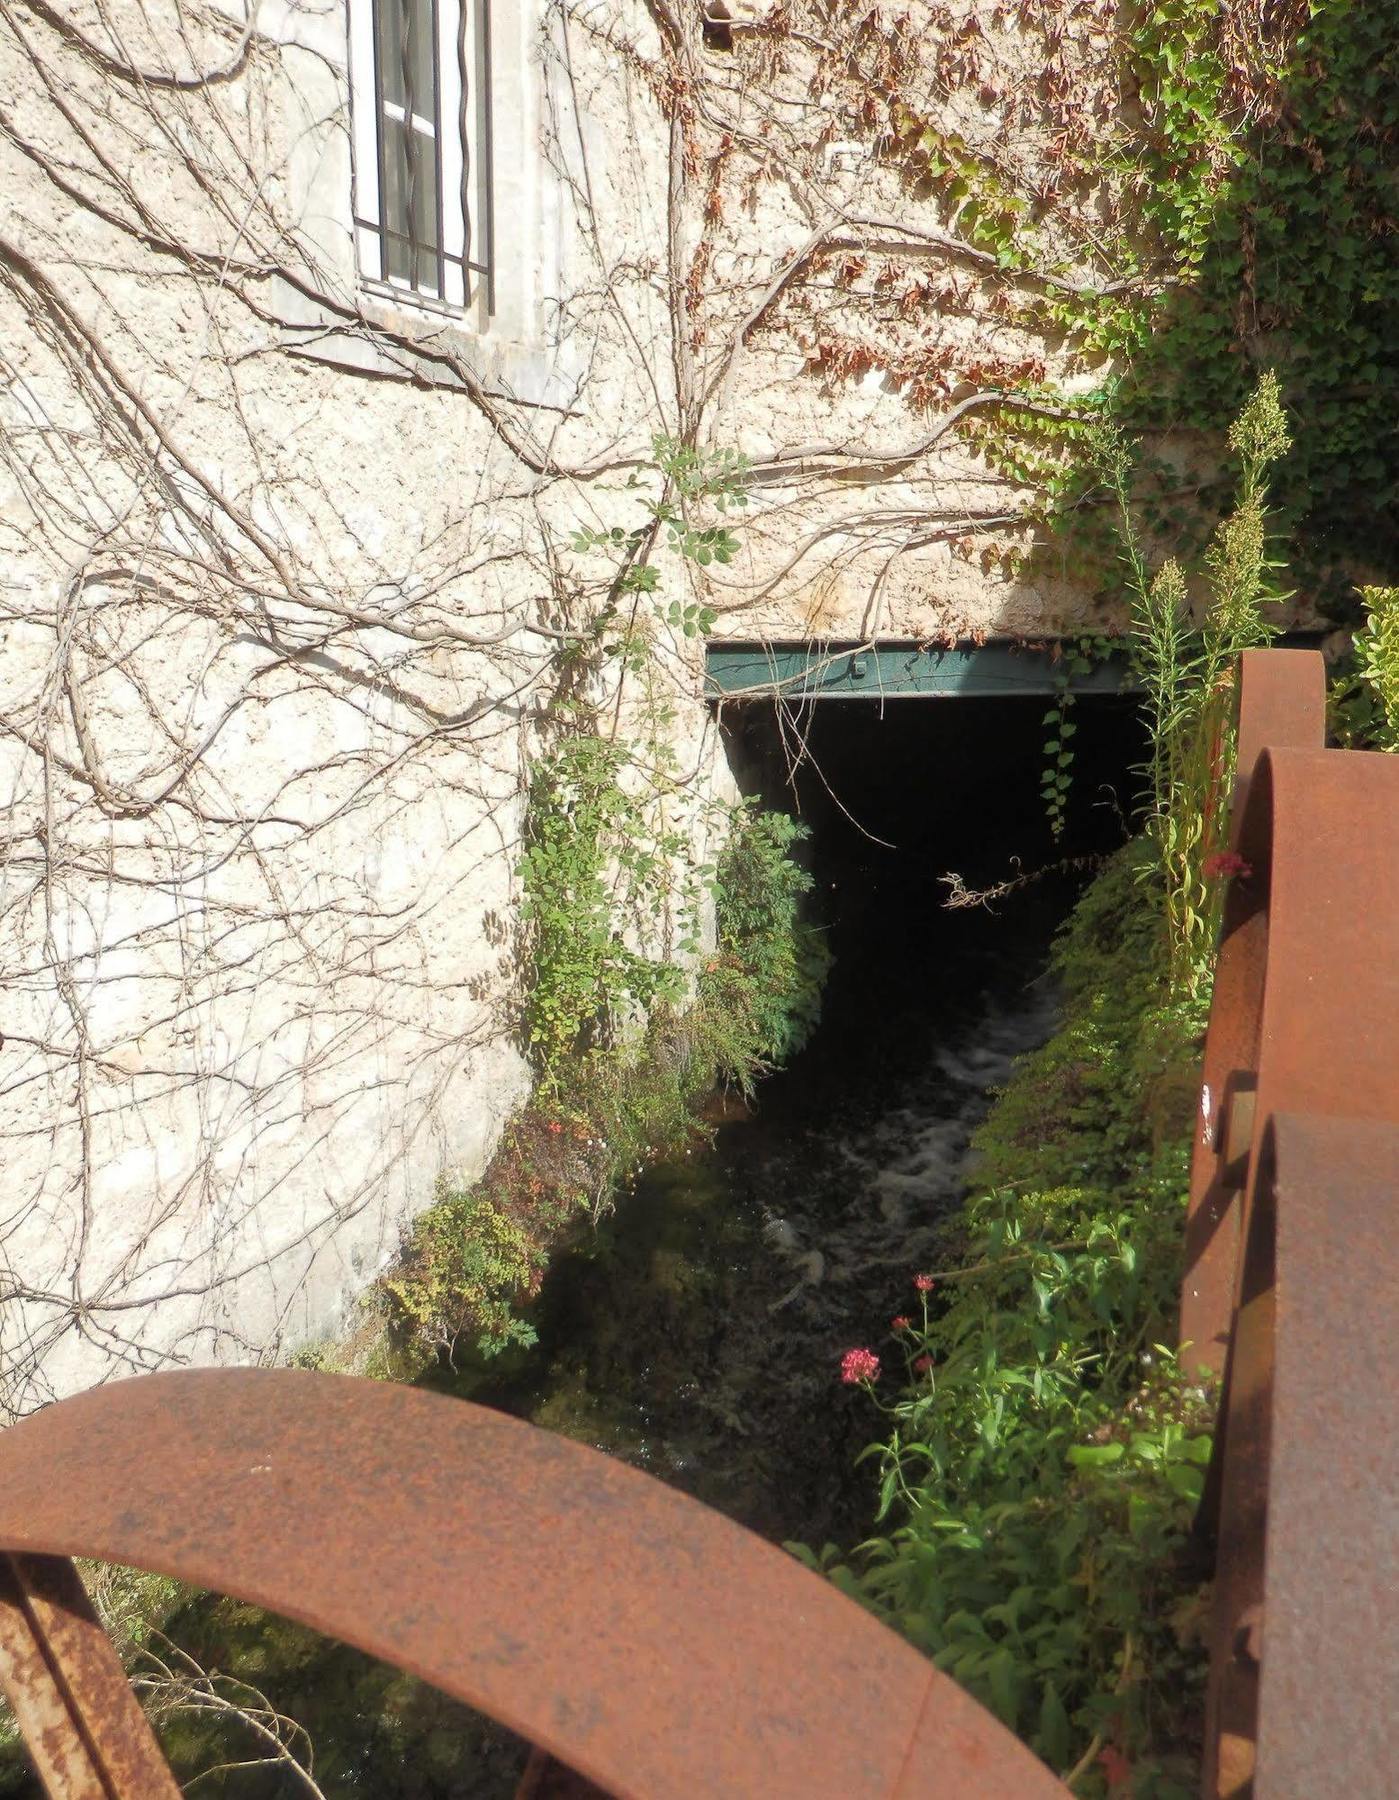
pixel 922 1364
pixel 859 1365
pixel 1115 1765
pixel 924 1283
pixel 900 1324
pixel 1220 864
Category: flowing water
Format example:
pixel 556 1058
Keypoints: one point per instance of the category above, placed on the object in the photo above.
pixel 697 1332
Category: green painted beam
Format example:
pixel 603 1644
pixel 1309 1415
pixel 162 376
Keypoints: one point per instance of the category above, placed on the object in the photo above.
pixel 896 671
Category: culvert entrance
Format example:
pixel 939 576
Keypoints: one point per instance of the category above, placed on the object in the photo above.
pixel 699 1332
pixel 914 806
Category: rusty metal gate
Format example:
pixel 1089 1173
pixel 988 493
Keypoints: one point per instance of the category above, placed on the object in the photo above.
pixel 664 1652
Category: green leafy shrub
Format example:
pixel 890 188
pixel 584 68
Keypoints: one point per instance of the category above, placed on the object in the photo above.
pixel 594 867
pixel 468 1263
pixel 769 964
pixel 1365 697
pixel 610 1100
pixel 1043 1457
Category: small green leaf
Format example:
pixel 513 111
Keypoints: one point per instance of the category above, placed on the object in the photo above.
pixel 1095 1456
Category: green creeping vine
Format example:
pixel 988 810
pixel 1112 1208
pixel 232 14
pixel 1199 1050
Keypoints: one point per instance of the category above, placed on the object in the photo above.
pixel 612 908
pixel 1252 222
pixel 594 868
pixel 769 964
pixel 1291 262
pixel 686 475
pixel 1076 657
pixel 620 1058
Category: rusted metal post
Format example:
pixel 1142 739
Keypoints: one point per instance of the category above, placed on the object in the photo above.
pixel 1282 702
pixel 65 1684
pixel 1291 1270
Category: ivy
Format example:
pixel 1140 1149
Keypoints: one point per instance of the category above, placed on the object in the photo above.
pixel 1286 244
pixel 1238 210
pixel 770 963
pixel 595 871
pixel 687 475
pixel 1076 657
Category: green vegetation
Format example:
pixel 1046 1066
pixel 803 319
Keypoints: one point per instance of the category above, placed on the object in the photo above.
pixel 1243 218
pixel 1365 696
pixel 1042 1458
pixel 685 475
pixel 595 869
pixel 1076 657
pixel 623 1039
pixel 1188 673
pixel 769 965
pixel 1269 177
pixel 621 1058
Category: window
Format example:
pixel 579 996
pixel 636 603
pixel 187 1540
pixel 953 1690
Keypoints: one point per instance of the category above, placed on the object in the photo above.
pixel 420 105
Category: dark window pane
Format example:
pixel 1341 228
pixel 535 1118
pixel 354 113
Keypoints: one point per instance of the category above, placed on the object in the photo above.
pixel 406 51
pixel 409 205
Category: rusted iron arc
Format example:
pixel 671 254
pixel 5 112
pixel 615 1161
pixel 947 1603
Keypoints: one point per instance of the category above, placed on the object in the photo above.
pixel 1307 1661
pixel 653 1645
pixel 1282 702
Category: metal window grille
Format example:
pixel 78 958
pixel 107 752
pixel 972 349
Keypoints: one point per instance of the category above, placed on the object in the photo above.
pixel 420 90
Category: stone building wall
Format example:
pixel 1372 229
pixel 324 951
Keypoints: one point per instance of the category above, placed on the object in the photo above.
pixel 288 581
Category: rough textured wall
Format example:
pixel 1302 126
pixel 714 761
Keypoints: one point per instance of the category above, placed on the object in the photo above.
pixel 290 588
pixel 901 204
pixel 280 612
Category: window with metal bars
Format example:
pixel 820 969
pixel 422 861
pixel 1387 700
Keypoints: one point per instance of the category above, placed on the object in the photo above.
pixel 420 107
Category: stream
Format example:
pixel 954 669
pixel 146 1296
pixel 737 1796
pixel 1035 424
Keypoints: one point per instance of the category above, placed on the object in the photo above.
pixel 697 1331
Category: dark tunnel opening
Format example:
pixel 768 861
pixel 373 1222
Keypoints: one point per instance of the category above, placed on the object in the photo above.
pixel 901 797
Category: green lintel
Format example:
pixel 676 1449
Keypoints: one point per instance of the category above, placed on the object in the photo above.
pixel 899 671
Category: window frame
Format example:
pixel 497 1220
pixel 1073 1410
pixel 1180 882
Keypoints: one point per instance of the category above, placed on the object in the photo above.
pixel 459 134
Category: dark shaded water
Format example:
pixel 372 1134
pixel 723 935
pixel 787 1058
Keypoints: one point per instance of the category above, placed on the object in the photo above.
pixel 698 1331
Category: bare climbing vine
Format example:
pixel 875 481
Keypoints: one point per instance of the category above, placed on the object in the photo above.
pixel 294 581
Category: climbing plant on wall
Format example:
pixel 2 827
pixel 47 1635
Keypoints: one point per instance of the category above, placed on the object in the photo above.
pixel 1294 264
pixel 1153 204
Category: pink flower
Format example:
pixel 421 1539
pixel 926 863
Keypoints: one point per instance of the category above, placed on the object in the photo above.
pixel 922 1364
pixel 900 1324
pixel 924 1283
pixel 859 1365
pixel 1220 864
pixel 1115 1765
